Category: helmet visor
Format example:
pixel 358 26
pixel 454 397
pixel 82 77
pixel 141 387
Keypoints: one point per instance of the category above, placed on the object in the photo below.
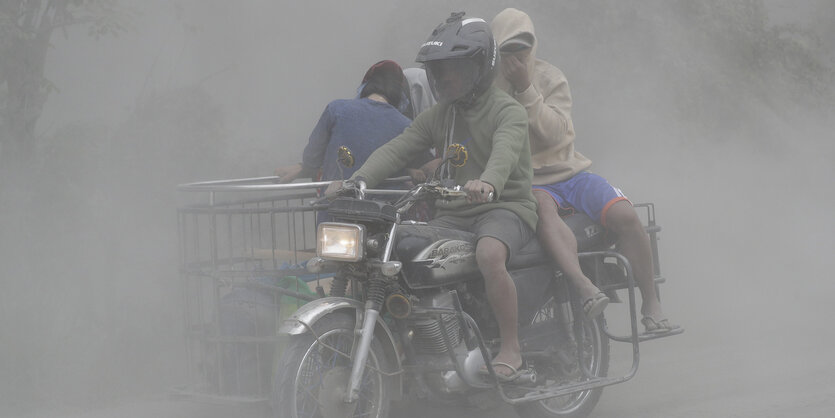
pixel 452 79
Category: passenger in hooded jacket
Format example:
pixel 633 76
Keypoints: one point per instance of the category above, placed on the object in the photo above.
pixel 561 180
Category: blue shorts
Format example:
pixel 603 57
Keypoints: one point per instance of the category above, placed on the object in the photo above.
pixel 585 192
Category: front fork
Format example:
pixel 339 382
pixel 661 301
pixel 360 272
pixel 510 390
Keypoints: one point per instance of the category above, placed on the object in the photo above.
pixel 366 333
pixel 373 305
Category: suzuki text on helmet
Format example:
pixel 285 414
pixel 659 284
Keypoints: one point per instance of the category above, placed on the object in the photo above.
pixel 460 58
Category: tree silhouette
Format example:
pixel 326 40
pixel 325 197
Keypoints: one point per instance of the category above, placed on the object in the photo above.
pixel 26 29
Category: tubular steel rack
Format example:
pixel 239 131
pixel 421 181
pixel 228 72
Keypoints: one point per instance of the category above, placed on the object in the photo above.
pixel 243 247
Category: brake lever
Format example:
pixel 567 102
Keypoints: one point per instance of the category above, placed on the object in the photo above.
pixel 446 193
pixel 453 193
pixel 348 187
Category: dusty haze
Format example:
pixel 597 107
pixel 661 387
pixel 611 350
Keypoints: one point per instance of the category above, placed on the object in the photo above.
pixel 719 112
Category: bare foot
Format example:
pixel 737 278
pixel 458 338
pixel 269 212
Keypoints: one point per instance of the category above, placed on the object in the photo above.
pixel 588 292
pixel 654 319
pixel 652 309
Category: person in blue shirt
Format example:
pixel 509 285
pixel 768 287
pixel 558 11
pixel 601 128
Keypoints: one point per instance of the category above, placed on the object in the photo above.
pixel 361 124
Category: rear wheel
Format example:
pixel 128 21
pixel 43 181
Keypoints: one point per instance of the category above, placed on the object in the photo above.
pixel 593 348
pixel 312 376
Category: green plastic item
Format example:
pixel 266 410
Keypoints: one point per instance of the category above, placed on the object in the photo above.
pixel 290 304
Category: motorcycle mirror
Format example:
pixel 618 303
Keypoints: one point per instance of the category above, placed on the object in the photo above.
pixel 457 155
pixel 345 157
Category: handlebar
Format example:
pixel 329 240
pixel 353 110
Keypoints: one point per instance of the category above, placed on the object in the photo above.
pixel 431 190
pixel 269 184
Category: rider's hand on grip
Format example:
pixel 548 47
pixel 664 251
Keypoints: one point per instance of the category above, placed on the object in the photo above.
pixel 479 191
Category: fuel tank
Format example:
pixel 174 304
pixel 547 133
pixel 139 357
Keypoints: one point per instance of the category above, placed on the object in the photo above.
pixel 434 256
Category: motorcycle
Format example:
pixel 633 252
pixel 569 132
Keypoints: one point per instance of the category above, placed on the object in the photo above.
pixel 407 317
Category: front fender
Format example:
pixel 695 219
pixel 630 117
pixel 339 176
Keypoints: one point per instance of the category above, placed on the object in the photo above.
pixel 314 311
pixel 311 312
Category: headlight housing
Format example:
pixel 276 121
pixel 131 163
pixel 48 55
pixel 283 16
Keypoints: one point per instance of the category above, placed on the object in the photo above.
pixel 340 241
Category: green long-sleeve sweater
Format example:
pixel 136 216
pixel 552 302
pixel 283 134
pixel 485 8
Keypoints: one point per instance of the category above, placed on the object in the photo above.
pixel 494 130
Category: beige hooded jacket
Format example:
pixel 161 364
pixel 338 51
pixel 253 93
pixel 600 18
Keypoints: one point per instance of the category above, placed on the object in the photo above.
pixel 548 103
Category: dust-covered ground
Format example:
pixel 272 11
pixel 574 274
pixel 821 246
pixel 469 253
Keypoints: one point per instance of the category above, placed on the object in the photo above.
pixel 719 112
pixel 756 341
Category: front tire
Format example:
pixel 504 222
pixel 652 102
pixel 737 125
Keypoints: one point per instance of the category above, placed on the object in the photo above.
pixel 594 348
pixel 312 378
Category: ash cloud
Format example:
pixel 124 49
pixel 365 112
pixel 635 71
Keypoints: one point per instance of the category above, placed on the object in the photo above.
pixel 717 111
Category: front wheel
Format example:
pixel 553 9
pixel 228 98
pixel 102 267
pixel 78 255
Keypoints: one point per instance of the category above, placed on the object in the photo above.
pixel 593 349
pixel 312 376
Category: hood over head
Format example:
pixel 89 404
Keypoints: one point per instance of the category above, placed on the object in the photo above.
pixel 513 28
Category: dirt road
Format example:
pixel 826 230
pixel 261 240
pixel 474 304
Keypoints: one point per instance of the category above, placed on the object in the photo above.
pixel 751 281
pixel 740 366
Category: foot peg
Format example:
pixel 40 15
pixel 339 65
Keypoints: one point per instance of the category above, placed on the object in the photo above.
pixel 525 377
pixel 646 336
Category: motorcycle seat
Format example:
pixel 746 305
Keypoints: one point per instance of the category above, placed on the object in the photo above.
pixel 590 237
pixel 413 239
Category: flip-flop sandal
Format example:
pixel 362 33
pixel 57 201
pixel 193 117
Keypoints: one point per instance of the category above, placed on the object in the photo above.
pixel 503 377
pixel 656 327
pixel 595 305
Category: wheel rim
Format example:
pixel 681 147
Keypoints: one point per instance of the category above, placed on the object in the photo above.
pixel 592 351
pixel 322 380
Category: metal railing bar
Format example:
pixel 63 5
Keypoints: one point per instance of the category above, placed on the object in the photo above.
pixel 260 184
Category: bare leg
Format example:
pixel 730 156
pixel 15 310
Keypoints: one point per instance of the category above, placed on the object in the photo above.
pixel 561 244
pixel 491 255
pixel 633 243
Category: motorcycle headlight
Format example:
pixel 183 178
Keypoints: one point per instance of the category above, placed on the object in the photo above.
pixel 339 241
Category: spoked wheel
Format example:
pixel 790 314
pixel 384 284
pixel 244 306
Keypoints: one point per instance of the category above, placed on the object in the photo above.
pixel 312 376
pixel 592 344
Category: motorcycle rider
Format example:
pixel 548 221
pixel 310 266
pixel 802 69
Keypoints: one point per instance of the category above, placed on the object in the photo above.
pixel 560 179
pixel 460 57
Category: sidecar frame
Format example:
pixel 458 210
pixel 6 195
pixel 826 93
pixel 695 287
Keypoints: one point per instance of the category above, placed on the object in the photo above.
pixel 243 245
pixel 242 248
